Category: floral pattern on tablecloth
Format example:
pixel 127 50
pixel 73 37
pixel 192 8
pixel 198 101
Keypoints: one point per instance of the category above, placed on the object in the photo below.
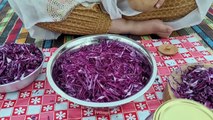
pixel 39 102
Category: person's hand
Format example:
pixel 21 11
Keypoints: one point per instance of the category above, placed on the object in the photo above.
pixel 145 5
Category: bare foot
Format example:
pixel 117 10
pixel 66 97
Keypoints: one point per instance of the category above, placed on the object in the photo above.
pixel 122 26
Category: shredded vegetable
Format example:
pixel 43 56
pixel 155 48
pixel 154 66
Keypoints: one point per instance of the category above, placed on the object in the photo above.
pixel 103 72
pixel 17 61
pixel 197 85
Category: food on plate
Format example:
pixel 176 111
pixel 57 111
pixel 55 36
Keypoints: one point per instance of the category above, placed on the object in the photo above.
pixel 195 82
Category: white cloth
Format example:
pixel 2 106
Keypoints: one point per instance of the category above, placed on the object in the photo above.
pixel 32 12
pixel 117 8
pixel 193 18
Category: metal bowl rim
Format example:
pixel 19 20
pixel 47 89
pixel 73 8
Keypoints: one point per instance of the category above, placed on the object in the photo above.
pixel 96 104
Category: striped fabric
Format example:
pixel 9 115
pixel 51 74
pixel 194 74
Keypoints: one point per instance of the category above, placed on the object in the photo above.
pixel 11 30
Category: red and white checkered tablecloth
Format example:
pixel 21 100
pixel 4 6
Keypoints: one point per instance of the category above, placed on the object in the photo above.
pixel 39 102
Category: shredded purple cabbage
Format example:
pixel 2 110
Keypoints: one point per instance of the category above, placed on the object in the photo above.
pixel 17 61
pixel 104 72
pixel 197 85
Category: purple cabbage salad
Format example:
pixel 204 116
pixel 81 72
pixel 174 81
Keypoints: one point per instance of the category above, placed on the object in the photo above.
pixel 17 61
pixel 104 72
pixel 197 85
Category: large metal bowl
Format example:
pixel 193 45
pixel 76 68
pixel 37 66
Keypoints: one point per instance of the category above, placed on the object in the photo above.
pixel 20 84
pixel 83 41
